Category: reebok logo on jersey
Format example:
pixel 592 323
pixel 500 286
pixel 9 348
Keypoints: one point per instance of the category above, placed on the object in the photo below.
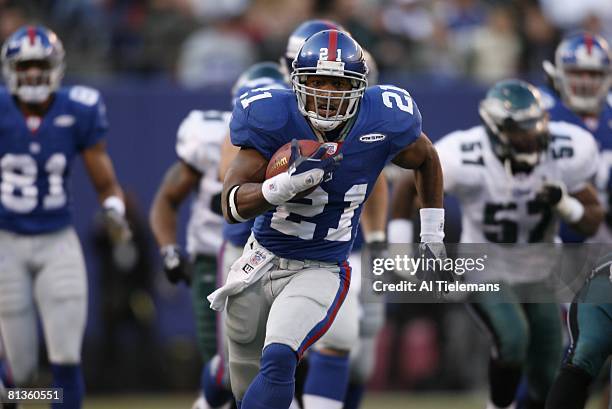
pixel 372 137
pixel 64 121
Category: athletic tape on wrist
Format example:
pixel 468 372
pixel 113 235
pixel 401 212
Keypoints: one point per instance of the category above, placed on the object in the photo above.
pixel 114 203
pixel 432 223
pixel 570 209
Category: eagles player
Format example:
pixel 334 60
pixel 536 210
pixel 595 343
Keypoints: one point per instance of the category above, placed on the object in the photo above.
pixel 43 127
pixel 515 177
pixel 579 93
pixel 299 246
pixel 198 147
pixel 590 323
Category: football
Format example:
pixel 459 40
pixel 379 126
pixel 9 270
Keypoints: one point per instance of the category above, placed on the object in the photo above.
pixel 280 160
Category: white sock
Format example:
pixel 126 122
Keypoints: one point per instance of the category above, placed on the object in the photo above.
pixel 320 402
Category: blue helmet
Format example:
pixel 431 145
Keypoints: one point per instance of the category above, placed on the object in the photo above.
pixel 265 74
pixel 330 53
pixel 582 73
pixel 299 36
pixel 33 43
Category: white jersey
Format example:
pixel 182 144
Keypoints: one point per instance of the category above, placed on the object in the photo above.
pixel 500 208
pixel 198 144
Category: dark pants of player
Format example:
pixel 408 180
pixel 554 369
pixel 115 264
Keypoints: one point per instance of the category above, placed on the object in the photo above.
pixel 526 338
pixel 204 282
pixel 590 324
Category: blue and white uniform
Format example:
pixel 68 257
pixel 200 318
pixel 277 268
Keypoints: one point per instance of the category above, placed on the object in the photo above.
pixel 310 238
pixel 35 226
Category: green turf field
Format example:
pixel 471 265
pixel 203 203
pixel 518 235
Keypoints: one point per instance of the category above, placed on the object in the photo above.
pixel 373 401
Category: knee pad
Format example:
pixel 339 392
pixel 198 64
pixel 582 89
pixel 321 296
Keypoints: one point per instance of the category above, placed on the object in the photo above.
pixel 278 363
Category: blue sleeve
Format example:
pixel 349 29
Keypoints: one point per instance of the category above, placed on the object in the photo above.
pixel 256 124
pixel 94 124
pixel 408 129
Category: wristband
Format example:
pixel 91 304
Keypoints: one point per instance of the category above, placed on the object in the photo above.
pixel 232 205
pixel 570 209
pixel 401 231
pixel 377 235
pixel 114 203
pixel 432 224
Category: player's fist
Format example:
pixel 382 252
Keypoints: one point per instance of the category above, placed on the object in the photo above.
pixel 550 193
pixel 303 173
pixel 555 195
pixel 175 264
pixel 117 226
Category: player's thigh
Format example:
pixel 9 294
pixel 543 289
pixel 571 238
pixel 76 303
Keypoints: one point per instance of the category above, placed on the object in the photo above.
pixel 245 326
pixel 305 307
pixel 17 311
pixel 591 331
pixel 60 289
pixel 506 324
pixel 344 332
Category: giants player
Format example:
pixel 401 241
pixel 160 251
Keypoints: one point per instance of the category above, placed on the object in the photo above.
pixel 42 129
pixel 300 246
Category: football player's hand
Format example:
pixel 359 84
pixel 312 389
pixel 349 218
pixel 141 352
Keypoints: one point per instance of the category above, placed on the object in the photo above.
pixel 554 194
pixel 431 249
pixel 551 193
pixel 176 266
pixel 116 225
pixel 305 172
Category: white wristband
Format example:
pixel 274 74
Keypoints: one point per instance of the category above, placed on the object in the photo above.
pixel 378 235
pixel 570 209
pixel 232 205
pixel 401 231
pixel 114 203
pixel 432 225
pixel 278 189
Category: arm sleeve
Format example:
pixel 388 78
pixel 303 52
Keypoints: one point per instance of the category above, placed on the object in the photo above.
pixel 95 122
pixel 245 132
pixel 581 168
pixel 195 140
pixel 410 130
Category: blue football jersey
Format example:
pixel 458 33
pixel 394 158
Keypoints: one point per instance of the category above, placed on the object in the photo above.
pixel 322 226
pixel 35 165
pixel 238 233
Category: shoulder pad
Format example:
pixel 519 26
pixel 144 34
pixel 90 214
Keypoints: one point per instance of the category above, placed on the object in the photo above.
pixel 393 107
pixel 83 95
pixel 265 109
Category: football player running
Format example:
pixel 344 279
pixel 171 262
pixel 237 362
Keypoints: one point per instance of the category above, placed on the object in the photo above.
pixel 43 127
pixel 198 146
pixel 331 377
pixel 590 324
pixel 298 276
pixel 579 93
pixel 515 176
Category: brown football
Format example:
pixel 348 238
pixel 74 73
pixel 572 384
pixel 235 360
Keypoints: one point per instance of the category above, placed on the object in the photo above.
pixel 280 160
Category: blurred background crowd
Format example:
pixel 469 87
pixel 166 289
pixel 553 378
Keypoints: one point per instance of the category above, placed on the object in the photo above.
pixel 188 53
pixel 202 42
